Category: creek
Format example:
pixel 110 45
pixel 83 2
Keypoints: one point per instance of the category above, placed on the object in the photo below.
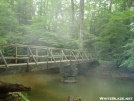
pixel 47 86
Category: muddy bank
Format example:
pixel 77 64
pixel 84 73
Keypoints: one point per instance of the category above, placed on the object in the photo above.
pixel 109 70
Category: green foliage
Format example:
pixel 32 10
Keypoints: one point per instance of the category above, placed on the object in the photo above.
pixel 5 20
pixel 112 37
pixel 44 23
pixel 23 96
pixel 109 30
pixel 108 26
pixel 128 54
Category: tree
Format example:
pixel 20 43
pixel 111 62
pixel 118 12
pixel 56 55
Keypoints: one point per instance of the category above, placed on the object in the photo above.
pixel 108 31
pixel 100 26
pixel 72 18
pixel 81 18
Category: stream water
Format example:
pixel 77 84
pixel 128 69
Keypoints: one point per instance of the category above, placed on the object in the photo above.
pixel 47 87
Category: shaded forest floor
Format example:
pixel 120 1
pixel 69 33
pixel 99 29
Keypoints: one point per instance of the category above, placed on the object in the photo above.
pixel 107 69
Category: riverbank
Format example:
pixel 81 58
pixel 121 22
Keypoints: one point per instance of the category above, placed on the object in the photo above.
pixel 107 69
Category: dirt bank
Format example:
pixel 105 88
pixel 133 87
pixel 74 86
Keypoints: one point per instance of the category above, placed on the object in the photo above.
pixel 107 69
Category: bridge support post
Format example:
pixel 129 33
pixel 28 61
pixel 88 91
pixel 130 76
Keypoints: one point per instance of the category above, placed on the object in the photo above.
pixel 68 74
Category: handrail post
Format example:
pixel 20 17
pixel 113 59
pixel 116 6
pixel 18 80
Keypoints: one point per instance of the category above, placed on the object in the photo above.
pixel 61 58
pixel 61 55
pixel 47 57
pixel 51 52
pixel 16 54
pixel 70 57
pixel 28 57
pixel 36 54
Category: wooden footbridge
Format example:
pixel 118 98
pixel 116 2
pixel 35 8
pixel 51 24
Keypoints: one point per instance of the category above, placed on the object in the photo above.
pixel 12 55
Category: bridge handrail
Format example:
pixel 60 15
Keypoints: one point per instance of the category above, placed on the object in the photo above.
pixel 73 55
pixel 34 46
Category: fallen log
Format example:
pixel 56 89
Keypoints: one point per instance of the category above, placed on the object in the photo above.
pixel 9 87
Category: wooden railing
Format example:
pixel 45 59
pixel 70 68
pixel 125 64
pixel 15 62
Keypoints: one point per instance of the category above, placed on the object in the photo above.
pixel 19 55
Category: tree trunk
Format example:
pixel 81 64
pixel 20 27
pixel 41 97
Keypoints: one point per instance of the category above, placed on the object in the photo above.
pixel 129 3
pixel 41 8
pixel 110 6
pixel 72 18
pixel 81 17
pixel 12 4
pixel 25 13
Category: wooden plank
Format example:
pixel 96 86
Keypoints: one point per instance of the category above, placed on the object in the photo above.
pixel 43 56
pixel 33 63
pixel 3 59
pixel 36 54
pixel 47 57
pixel 52 56
pixel 61 59
pixel 21 45
pixel 16 54
pixel 28 57
pixel 33 46
pixel 74 55
pixel 22 55
pixel 64 55
pixel 32 56
pixel 77 55
pixel 14 58
pixel 61 56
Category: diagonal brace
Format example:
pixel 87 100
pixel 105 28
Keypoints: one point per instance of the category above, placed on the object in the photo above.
pixel 3 59
pixel 32 56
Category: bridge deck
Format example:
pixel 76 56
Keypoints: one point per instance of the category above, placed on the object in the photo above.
pixel 39 63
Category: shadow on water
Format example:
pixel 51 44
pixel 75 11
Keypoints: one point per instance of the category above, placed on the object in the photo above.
pixel 47 87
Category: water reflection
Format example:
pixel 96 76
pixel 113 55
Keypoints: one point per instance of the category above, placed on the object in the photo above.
pixel 47 87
